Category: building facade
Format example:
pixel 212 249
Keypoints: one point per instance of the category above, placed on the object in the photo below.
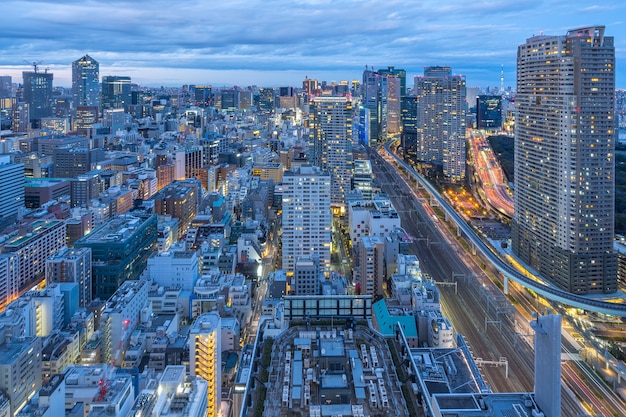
pixel 564 159
pixel 330 142
pixel 205 357
pixel 306 216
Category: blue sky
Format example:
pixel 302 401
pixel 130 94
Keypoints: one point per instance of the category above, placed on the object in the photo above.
pixel 275 42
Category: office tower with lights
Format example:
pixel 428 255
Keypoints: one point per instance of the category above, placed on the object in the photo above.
pixel 116 92
pixel 330 142
pixel 205 357
pixel 37 93
pixel 306 216
pixel 441 109
pixel 11 188
pixel 564 159
pixel 86 82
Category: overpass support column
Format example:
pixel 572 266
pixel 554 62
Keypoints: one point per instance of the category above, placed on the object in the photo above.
pixel 458 228
pixel 506 284
pixel 473 249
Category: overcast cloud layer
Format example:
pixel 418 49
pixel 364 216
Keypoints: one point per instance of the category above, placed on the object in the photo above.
pixel 275 42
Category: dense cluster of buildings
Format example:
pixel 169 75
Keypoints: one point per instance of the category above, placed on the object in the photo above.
pixel 138 227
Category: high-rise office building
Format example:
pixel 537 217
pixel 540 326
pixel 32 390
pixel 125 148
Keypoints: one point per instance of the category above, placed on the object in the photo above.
pixel 564 159
pixel 205 357
pixel 11 188
pixel 489 112
pixel 116 92
pixel 392 89
pixel 306 216
pixel 6 86
pixel 37 92
pixel 408 118
pixel 330 142
pixel 441 108
pixel 86 82
pixel 120 250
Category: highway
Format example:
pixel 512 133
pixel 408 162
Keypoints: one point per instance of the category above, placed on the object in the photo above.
pixel 549 292
pixel 490 175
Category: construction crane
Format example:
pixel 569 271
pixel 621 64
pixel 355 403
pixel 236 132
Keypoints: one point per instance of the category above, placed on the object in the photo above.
pixel 34 64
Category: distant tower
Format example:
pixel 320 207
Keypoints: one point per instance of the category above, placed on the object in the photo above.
pixel 502 80
pixel 548 363
pixel 86 82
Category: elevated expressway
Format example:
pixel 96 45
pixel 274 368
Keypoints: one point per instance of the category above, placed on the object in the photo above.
pixel 549 292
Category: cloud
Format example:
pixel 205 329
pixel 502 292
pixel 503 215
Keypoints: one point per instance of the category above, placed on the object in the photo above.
pixel 203 38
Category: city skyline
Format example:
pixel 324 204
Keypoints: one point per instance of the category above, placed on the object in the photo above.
pixel 277 43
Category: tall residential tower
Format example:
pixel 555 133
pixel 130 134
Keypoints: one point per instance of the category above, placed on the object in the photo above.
pixel 330 141
pixel 564 163
pixel 441 108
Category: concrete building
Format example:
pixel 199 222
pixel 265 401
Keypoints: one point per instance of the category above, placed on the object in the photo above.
pixel 548 363
pixel 205 357
pixel 330 143
pixel 180 199
pixel 72 265
pixel 120 250
pixel 363 177
pixel 37 93
pixel 174 394
pixel 307 276
pixel 36 243
pixel 102 390
pixel 371 266
pixel 120 318
pixel 20 369
pixel 174 269
pixel 565 177
pixel 307 216
pixel 38 191
pixel 441 108
pixel 116 92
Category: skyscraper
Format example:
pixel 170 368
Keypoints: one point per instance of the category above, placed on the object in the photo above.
pixel 564 163
pixel 86 82
pixel 392 89
pixel 306 216
pixel 37 91
pixel 441 108
pixel 330 142
pixel 11 189
pixel 116 92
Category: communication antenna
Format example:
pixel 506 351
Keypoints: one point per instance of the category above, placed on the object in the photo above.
pixel 502 80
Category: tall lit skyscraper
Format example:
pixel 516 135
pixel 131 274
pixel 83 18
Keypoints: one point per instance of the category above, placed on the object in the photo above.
pixel 392 89
pixel 116 92
pixel 441 108
pixel 564 163
pixel 11 189
pixel 330 142
pixel 37 91
pixel 306 216
pixel 205 357
pixel 86 82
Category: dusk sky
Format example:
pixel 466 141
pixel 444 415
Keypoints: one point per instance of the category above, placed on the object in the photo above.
pixel 274 42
